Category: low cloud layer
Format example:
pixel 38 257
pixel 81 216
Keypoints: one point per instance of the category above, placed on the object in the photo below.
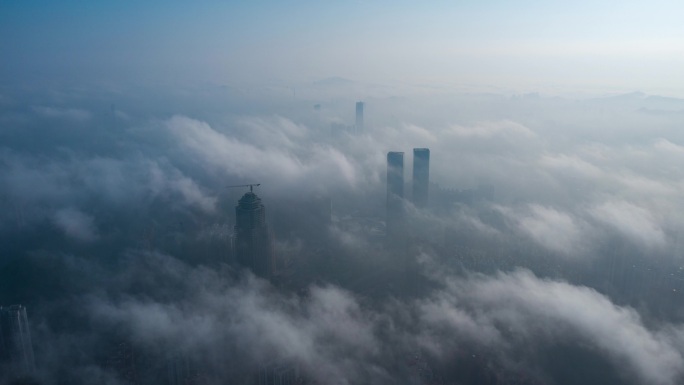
pixel 333 335
pixel 552 240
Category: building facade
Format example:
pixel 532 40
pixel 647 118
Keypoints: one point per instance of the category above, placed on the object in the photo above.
pixel 252 242
pixel 421 176
pixel 359 117
pixel 395 194
pixel 16 348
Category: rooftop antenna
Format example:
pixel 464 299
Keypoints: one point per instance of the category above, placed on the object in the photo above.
pixel 251 186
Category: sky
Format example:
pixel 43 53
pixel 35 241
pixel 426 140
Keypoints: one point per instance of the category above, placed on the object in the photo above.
pixel 631 45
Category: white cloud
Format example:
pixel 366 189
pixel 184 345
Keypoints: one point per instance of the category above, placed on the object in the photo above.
pixel 76 224
pixel 553 229
pixel 327 333
pixel 192 194
pixel 491 129
pixel 293 164
pixel 570 163
pixel 635 222
pixel 536 311
pixel 74 114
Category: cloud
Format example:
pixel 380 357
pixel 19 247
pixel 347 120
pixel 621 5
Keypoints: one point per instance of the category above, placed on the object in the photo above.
pixel 275 132
pixel 563 172
pixel 330 333
pixel 552 229
pixel 633 221
pixel 76 224
pixel 325 333
pixel 73 114
pixel 571 164
pixel 229 154
pixel 519 309
pixel 666 145
pixel 278 154
pixel 492 129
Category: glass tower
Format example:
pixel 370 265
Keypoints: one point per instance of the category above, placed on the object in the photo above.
pixel 359 117
pixel 15 340
pixel 421 176
pixel 253 246
pixel 395 193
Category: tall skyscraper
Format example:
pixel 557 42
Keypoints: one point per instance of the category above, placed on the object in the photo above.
pixel 122 361
pixel 181 370
pixel 253 245
pixel 275 374
pixel 395 193
pixel 421 176
pixel 15 340
pixel 359 117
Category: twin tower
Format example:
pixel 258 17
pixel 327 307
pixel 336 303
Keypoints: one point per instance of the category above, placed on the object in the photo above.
pixel 395 187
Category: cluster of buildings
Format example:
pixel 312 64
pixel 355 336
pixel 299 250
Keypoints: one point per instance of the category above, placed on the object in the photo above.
pixel 253 242
pixel 396 208
pixel 357 128
pixel 16 350
pixel 252 247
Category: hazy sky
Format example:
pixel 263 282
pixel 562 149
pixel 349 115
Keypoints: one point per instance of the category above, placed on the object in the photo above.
pixel 554 240
pixel 625 45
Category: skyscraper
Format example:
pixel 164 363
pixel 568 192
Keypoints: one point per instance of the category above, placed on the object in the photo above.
pixel 253 245
pixel 359 117
pixel 282 374
pixel 395 193
pixel 15 340
pixel 421 176
pixel 122 361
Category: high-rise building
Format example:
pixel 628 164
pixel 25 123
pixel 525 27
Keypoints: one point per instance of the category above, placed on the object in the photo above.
pixel 181 370
pixel 122 361
pixel 421 176
pixel 359 117
pixel 15 340
pixel 282 374
pixel 395 193
pixel 253 244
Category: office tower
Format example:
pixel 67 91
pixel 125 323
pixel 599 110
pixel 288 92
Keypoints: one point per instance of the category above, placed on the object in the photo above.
pixel 282 374
pixel 122 361
pixel 359 117
pixel 421 176
pixel 181 370
pixel 15 340
pixel 395 193
pixel 253 246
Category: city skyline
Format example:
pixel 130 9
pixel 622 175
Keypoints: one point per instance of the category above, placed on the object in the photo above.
pixel 252 243
pixel 359 117
pixel 16 348
pixel 438 193
pixel 537 224
pixel 421 177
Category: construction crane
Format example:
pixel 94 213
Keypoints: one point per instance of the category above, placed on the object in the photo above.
pixel 251 186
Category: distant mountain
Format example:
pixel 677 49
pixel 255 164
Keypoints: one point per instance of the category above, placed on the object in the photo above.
pixel 630 96
pixel 666 99
pixel 643 102
pixel 334 81
pixel 654 111
pixel 638 95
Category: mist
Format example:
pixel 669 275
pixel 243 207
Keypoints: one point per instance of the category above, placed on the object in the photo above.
pixel 549 252
pixel 134 140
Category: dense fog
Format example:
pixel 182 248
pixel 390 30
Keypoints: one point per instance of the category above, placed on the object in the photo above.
pixel 549 252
